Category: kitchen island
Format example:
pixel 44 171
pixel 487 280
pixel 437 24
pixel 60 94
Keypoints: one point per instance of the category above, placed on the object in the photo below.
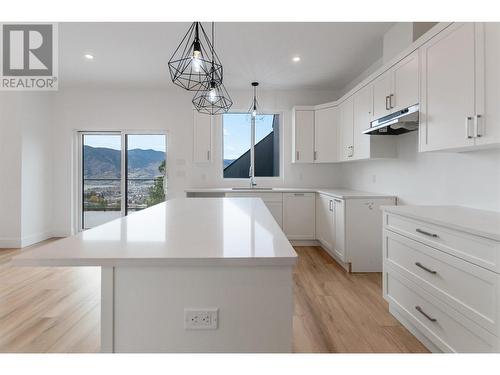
pixel 170 269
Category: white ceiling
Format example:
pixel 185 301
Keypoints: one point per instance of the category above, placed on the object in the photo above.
pixel 136 54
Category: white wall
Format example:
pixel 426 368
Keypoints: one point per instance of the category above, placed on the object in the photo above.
pixel 36 193
pixel 25 168
pixel 468 179
pixel 149 109
pixel 10 170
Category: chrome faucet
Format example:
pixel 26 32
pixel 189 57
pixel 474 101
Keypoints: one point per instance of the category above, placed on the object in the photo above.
pixel 252 179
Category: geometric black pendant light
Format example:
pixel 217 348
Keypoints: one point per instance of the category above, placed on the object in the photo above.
pixel 194 64
pixel 213 98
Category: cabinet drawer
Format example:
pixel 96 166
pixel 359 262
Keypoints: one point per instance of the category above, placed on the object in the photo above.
pixel 478 250
pixel 266 197
pixel 470 289
pixel 446 328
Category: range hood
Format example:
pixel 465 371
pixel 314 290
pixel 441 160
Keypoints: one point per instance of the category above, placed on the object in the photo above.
pixel 403 121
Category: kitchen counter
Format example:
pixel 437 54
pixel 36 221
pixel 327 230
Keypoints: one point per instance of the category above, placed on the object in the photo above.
pixel 165 268
pixel 478 222
pixel 340 193
pixel 211 231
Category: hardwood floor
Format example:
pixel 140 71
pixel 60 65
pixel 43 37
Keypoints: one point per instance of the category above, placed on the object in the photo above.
pixel 338 312
pixel 57 309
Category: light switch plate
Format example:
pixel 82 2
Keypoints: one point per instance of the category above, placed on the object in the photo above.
pixel 202 318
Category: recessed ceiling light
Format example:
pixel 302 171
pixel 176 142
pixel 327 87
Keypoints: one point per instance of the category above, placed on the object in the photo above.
pixel 88 56
pixel 296 59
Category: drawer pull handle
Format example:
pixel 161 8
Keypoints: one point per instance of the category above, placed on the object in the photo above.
pixel 419 309
pixel 418 264
pixel 426 233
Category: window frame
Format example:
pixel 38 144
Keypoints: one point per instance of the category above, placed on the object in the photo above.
pixel 78 135
pixel 258 180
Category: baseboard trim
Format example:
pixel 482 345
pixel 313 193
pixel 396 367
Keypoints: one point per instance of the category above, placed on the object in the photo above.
pixel 34 238
pixel 305 242
pixel 10 243
pixel 21 242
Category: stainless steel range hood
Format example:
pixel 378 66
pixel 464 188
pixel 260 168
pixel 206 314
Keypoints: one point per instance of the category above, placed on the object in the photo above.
pixel 403 121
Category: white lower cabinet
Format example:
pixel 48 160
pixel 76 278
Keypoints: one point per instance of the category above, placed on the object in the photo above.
pixel 438 287
pixel 276 209
pixel 349 229
pixel 299 216
pixel 325 230
pixel 273 202
pixel 339 229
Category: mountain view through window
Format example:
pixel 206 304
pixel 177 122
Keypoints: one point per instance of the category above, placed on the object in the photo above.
pixel 143 184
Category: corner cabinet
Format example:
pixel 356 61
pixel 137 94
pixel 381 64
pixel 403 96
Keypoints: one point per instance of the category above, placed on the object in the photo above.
pixel 202 137
pixel 460 88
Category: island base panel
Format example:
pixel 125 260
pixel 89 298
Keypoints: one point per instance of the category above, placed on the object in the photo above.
pixel 143 309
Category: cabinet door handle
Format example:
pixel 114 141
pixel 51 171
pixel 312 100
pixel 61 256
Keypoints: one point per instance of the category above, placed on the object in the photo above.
pixel 315 155
pixel 467 127
pixel 477 134
pixel 418 264
pixel 387 102
pixel 298 194
pixel 433 235
pixel 297 155
pixel 338 200
pixel 390 101
pixel 330 205
pixel 419 309
pixel 208 155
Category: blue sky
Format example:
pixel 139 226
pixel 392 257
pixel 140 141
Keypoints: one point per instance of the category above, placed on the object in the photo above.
pixel 145 142
pixel 236 136
pixel 237 132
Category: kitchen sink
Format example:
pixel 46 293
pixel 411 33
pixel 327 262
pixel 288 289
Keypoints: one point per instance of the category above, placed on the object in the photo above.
pixel 253 188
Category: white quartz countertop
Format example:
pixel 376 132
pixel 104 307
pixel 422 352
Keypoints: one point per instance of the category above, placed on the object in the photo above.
pixel 340 193
pixel 479 222
pixel 191 232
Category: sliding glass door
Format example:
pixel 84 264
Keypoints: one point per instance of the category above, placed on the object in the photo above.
pixel 120 173
pixel 146 168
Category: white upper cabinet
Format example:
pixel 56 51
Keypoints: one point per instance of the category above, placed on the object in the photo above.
pixel 303 136
pixel 447 100
pixel 405 83
pixel 488 117
pixel 461 88
pixel 363 110
pixel 382 88
pixel 461 108
pixel 397 88
pixel 202 137
pixel 325 135
pixel 345 134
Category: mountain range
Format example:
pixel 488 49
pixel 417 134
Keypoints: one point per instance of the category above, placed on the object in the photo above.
pixel 101 162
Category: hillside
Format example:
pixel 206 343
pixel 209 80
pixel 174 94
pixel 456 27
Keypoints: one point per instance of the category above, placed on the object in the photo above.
pixel 102 162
